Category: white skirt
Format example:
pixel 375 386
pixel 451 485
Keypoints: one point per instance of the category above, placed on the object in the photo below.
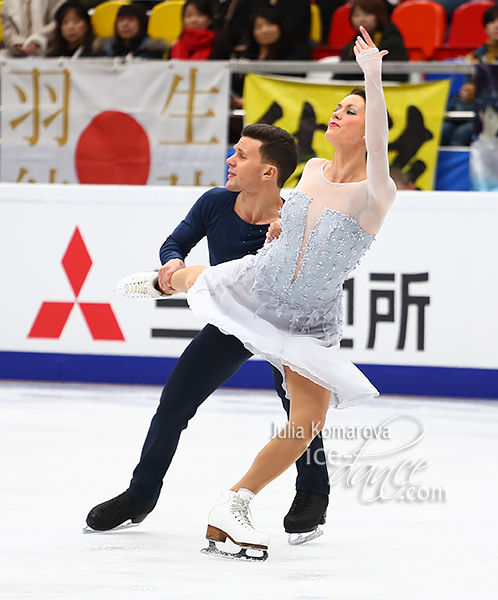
pixel 216 297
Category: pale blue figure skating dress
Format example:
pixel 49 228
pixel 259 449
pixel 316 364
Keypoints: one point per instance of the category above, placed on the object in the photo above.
pixel 285 303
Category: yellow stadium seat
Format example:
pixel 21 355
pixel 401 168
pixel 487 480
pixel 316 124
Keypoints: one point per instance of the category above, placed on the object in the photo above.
pixel 316 30
pixel 166 20
pixel 1 32
pixel 104 17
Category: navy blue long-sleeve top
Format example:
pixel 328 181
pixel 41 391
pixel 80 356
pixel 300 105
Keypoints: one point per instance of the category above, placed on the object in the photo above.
pixel 229 237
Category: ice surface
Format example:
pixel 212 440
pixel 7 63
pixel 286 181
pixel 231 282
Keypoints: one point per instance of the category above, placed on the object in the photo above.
pixel 65 448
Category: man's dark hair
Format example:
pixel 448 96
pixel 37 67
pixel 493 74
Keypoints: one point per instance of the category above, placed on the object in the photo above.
pixel 278 147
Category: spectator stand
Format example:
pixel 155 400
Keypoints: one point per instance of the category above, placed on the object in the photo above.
pixel 452 168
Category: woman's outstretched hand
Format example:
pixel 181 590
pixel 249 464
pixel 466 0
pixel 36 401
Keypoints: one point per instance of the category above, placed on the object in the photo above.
pixel 365 43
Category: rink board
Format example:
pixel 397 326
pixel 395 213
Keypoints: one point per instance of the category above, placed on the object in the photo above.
pixel 420 314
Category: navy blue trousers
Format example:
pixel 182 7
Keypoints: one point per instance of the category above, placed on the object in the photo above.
pixel 208 361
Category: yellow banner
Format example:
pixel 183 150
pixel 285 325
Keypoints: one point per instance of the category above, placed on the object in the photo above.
pixel 416 114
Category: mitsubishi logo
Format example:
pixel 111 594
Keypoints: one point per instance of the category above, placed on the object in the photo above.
pixel 53 316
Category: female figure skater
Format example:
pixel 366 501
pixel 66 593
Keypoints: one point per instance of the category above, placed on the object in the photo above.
pixel 285 303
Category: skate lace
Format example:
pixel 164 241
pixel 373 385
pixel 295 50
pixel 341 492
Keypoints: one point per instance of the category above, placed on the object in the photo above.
pixel 300 506
pixel 137 287
pixel 240 510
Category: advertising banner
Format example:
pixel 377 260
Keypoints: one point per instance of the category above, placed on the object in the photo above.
pixel 107 121
pixel 420 310
pixel 416 113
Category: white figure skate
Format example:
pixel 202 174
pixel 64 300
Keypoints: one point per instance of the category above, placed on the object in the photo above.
pixel 231 518
pixel 140 285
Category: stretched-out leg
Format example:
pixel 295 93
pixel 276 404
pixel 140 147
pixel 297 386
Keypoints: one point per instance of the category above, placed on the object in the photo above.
pixel 308 408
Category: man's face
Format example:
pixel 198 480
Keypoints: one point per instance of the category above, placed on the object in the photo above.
pixel 245 168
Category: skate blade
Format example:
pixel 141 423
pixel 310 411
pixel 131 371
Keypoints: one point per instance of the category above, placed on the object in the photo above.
pixel 303 538
pixel 123 526
pixel 212 550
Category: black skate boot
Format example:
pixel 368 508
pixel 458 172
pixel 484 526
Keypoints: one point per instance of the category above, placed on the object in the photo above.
pixel 307 512
pixel 115 512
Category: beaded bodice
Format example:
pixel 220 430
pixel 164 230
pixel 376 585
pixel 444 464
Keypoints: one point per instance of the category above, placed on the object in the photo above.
pixel 298 277
pixel 300 280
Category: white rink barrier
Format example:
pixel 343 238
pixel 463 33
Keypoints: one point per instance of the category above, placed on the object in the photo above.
pixel 420 310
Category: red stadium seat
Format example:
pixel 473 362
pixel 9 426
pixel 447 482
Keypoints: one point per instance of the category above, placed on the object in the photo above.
pixel 340 34
pixel 422 24
pixel 466 31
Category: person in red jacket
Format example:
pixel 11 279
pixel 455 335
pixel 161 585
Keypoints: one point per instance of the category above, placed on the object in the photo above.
pixel 198 40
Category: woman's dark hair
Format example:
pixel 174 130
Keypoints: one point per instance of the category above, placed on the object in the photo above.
pixel 130 10
pixel 278 147
pixel 271 15
pixel 59 46
pixel 359 91
pixel 205 7
pixel 490 15
pixel 373 7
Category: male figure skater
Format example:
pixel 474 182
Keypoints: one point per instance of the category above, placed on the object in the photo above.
pixel 235 220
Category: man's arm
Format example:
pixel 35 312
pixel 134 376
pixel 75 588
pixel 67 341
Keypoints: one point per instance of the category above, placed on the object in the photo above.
pixel 177 245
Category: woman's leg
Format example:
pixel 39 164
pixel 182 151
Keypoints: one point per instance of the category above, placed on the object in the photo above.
pixel 184 279
pixel 308 408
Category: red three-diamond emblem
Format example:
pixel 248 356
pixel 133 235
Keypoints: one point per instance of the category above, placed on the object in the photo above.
pixel 53 316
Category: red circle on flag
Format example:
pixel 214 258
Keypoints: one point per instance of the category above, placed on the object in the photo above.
pixel 114 148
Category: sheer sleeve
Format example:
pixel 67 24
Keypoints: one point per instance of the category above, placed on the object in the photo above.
pixel 381 188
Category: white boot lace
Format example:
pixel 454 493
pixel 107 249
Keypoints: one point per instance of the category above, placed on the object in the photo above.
pixel 241 512
pixel 139 288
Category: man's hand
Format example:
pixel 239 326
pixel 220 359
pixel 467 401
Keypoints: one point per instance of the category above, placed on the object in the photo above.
pixel 274 231
pixel 165 273
pixel 19 49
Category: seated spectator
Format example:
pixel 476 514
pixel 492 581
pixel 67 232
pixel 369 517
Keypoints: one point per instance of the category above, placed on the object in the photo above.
pixel 295 16
pixel 460 132
pixel 374 17
pixel 267 40
pixel 27 26
pixel 231 17
pixel 131 39
pixel 488 52
pixel 73 35
pixel 198 40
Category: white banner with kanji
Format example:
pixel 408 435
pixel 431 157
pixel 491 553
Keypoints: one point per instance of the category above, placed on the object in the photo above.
pixel 112 122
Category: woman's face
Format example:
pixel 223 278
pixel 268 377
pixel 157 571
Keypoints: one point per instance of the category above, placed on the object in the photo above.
pixel 266 33
pixel 347 122
pixel 194 19
pixel 492 30
pixel 73 27
pixel 127 27
pixel 360 17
